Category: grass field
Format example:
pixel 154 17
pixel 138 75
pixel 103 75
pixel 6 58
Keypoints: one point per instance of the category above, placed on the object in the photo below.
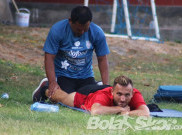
pixel 19 80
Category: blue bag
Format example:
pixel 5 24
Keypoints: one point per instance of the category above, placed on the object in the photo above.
pixel 169 93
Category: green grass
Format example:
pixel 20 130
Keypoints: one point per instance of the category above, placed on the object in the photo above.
pixel 20 80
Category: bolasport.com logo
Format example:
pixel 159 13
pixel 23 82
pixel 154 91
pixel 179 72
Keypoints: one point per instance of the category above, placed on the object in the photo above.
pixel 133 123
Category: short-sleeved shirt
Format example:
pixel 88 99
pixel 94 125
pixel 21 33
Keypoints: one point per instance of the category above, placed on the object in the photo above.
pixel 74 54
pixel 105 98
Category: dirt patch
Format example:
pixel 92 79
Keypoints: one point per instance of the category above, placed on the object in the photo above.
pixel 131 47
pixel 19 54
pixel 24 45
pixel 142 50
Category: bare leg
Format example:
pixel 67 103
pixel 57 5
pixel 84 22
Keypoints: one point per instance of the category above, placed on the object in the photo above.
pixel 63 97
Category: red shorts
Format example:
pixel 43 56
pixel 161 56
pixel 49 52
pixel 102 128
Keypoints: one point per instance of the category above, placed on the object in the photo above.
pixel 79 100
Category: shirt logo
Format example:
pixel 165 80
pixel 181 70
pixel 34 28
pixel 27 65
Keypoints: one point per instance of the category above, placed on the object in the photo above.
pixel 65 64
pixel 77 43
pixel 75 54
pixel 88 44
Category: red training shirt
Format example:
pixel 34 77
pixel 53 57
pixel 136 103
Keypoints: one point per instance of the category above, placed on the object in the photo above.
pixel 105 98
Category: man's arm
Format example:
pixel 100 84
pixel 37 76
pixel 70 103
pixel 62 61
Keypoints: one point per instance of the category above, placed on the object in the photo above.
pixel 140 111
pixel 98 109
pixel 50 72
pixel 104 68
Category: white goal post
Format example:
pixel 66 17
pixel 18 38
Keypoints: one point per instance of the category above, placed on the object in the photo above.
pixel 128 23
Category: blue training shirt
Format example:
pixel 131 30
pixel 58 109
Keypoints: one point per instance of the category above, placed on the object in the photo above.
pixel 74 54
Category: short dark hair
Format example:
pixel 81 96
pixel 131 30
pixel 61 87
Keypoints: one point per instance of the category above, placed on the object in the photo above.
pixel 123 81
pixel 82 14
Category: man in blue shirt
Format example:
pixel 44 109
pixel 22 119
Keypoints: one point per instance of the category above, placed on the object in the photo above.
pixel 68 53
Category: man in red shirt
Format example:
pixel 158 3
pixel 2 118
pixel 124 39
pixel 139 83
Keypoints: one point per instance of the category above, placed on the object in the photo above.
pixel 122 98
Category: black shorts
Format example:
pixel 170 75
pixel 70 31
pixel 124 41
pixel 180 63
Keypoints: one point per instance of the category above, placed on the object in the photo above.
pixel 73 85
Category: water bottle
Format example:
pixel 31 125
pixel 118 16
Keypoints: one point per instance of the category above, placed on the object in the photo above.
pixel 5 96
pixel 40 107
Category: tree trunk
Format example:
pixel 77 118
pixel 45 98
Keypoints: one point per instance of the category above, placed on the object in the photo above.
pixel 5 12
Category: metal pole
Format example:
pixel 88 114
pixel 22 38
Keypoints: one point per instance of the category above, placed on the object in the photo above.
pixel 127 18
pixel 86 2
pixel 156 25
pixel 114 14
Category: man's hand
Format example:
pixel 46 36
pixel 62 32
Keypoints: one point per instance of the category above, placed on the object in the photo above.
pixel 142 110
pixel 53 86
pixel 125 110
pixel 98 109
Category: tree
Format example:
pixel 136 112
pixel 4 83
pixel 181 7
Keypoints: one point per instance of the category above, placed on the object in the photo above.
pixel 5 12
